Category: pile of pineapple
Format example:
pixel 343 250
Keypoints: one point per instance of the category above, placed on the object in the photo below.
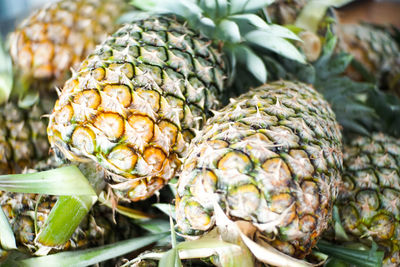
pixel 234 132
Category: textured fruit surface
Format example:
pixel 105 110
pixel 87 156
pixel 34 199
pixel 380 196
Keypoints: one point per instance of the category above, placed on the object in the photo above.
pixel 272 158
pixel 369 198
pixel 376 50
pixel 137 101
pixel 23 139
pixel 55 38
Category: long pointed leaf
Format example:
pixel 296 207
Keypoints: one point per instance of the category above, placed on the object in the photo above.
pixel 64 218
pixel 7 239
pixel 61 181
pixel 92 256
pixel 275 44
pixel 252 62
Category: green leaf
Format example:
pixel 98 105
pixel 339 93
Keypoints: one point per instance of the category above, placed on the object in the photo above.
pixel 166 208
pixel 155 226
pixel 209 7
pixel 222 8
pixel 372 258
pixel 183 8
pixel 92 256
pixel 278 45
pixel 61 181
pixel 170 259
pixel 250 19
pixel 6 73
pixel 229 255
pixel 228 30
pixel 64 218
pixel 206 26
pixel 252 62
pixel 7 239
pixel 29 99
pixel 248 6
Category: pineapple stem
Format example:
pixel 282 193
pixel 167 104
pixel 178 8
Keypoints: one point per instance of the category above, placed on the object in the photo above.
pixel 60 225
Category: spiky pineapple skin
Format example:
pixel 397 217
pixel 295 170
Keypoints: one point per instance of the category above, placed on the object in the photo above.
pixel 137 101
pixel 272 158
pixel 369 197
pixel 376 50
pixel 23 139
pixel 59 36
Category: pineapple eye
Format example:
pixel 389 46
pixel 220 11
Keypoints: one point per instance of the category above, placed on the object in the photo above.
pixel 204 182
pixel 197 216
pixel 111 124
pixel 123 157
pixel 88 98
pixel 154 157
pixel 244 200
pixel 99 73
pixel 143 127
pixel 64 116
pixel 120 92
pixel 235 160
pixel 84 139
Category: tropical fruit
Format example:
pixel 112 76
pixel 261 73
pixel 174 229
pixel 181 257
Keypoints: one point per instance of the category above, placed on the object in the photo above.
pixel 368 200
pixel 23 139
pixel 44 48
pixel 55 38
pixel 376 51
pixel 271 158
pixel 138 100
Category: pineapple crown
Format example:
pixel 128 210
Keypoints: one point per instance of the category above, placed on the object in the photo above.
pixel 360 107
pixel 232 25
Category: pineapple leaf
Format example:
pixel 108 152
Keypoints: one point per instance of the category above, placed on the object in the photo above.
pixel 48 182
pixel 253 63
pixel 250 22
pixel 7 239
pixel 222 8
pixel 166 209
pixel 155 226
pixel 371 258
pixel 276 44
pixel 93 255
pixel 6 73
pixel 209 7
pixel 64 218
pixel 170 259
pixel 228 30
pixel 248 6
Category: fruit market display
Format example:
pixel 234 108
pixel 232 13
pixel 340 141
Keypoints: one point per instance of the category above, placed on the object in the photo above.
pixel 199 133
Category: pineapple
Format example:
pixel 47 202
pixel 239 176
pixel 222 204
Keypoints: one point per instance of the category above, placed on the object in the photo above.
pixel 44 48
pixel 55 38
pixel 377 52
pixel 98 227
pixel 271 158
pixel 23 139
pixel 368 200
pixel 138 100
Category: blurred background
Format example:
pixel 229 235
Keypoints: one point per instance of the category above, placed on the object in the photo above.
pixel 11 11
pixel 376 11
